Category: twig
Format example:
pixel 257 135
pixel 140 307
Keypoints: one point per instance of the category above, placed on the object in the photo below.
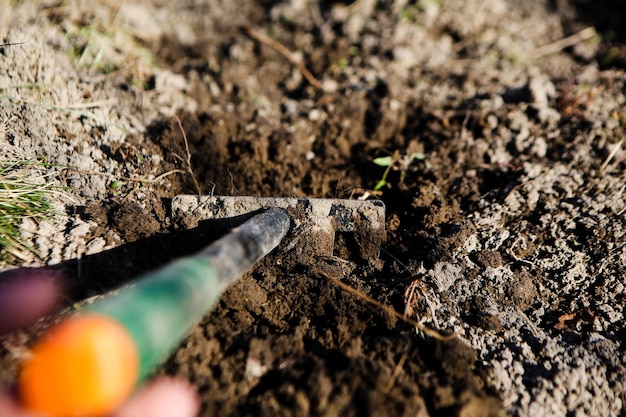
pixel 428 331
pixel 398 369
pixel 563 43
pixel 517 258
pixel 606 258
pixel 89 105
pixel 418 284
pixel 11 44
pixel 157 178
pixel 130 179
pixel 608 159
pixel 233 187
pixel 291 57
pixel 528 321
pixel 189 169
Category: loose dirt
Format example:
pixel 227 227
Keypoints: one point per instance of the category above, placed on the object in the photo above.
pixel 508 233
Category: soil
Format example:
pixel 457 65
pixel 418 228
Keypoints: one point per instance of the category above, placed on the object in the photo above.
pixel 509 232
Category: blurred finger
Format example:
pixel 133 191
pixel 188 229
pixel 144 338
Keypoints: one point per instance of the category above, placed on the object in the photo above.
pixel 10 408
pixel 166 397
pixel 26 295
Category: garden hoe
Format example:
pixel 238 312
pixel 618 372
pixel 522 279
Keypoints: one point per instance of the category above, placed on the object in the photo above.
pixel 90 363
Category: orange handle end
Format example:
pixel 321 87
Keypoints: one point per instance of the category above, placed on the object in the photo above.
pixel 85 366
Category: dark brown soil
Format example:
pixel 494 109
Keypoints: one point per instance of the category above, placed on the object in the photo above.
pixel 513 218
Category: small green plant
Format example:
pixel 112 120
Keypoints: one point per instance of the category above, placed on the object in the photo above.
pixel 106 46
pixel 21 197
pixel 344 62
pixel 412 12
pixel 395 161
pixel 92 48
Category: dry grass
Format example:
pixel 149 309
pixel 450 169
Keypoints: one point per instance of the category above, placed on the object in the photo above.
pixel 23 193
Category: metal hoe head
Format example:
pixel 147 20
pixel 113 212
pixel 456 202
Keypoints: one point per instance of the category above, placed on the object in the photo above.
pixel 349 229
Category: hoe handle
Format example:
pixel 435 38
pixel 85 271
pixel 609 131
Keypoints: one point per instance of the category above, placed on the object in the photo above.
pixel 164 305
pixel 88 364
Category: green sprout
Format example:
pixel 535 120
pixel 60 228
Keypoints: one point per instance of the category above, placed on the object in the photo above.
pixel 395 161
pixel 413 12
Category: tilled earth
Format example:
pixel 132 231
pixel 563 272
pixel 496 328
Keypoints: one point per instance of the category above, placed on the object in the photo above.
pixel 503 123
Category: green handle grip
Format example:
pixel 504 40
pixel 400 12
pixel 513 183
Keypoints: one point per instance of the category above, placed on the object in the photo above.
pixel 161 308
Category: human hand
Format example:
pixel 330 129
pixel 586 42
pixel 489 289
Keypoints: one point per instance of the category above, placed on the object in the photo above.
pixel 165 397
pixel 27 295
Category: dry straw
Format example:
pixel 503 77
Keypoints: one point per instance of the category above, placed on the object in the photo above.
pixel 22 196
